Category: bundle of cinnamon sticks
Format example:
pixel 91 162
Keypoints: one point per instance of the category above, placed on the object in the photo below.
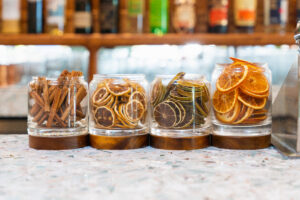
pixel 58 103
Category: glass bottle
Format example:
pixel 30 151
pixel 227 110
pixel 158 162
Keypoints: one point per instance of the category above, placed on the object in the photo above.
pixel 218 16
pixel 159 11
pixel 135 16
pixel 275 15
pixel 180 105
pixel 35 16
pixel 11 16
pixel 184 19
pixel 83 16
pixel 245 15
pixel 242 99
pixel 109 16
pixel 118 105
pixel 298 10
pixel 55 16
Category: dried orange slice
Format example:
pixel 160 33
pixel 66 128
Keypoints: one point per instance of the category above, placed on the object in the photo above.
pixel 252 66
pixel 117 89
pixel 224 102
pixel 245 113
pixel 134 110
pixel 230 116
pixel 100 95
pixel 165 115
pixel 231 77
pixel 259 112
pixel 105 117
pixel 256 83
pixel 254 120
pixel 252 102
pixel 263 95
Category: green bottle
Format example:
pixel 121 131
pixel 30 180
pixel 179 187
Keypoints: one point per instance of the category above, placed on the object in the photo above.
pixel 159 10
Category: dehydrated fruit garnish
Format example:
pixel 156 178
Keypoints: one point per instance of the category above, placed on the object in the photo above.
pixel 263 95
pixel 157 92
pixel 165 115
pixel 230 116
pixel 244 114
pixel 231 77
pixel 256 83
pixel 252 102
pixel 127 102
pixel 224 102
pixel 255 120
pixel 251 66
pixel 186 121
pixel 105 117
pixel 177 111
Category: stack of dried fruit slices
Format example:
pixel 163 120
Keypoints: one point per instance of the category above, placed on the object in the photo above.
pixel 242 92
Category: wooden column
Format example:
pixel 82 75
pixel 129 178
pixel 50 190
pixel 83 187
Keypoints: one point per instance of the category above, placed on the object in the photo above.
pixel 93 60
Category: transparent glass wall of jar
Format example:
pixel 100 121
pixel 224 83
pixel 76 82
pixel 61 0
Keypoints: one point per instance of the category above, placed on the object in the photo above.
pixel 58 107
pixel 241 99
pixel 118 105
pixel 180 105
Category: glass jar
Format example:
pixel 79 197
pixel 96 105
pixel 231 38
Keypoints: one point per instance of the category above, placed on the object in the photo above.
pixel 184 19
pixel 241 99
pixel 118 105
pixel 58 107
pixel 180 105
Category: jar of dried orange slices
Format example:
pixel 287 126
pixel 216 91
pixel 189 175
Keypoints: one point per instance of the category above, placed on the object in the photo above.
pixel 118 105
pixel 180 105
pixel 241 99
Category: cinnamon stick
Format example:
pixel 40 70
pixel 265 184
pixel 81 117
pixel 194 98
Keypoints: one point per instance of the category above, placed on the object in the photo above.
pixel 53 109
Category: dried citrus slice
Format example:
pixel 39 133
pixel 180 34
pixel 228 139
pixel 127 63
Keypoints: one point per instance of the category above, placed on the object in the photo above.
pixel 172 83
pixel 259 112
pixel 254 120
pixel 245 113
pixel 224 102
pixel 177 111
pixel 263 95
pixel 252 102
pixel 165 115
pixel 117 89
pixel 105 117
pixel 231 77
pixel 100 95
pixel 157 92
pixel 176 96
pixel 134 110
pixel 121 112
pixel 256 83
pixel 252 66
pixel 230 116
pixel 135 86
pixel 187 121
pixel 202 109
pixel 137 95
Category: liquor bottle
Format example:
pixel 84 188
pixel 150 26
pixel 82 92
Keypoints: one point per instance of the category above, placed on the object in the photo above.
pixel 135 16
pixel 55 16
pixel 109 16
pixel 245 15
pixel 218 16
pixel 275 15
pixel 159 11
pixel 35 16
pixel 11 15
pixel 83 16
pixel 298 10
pixel 184 19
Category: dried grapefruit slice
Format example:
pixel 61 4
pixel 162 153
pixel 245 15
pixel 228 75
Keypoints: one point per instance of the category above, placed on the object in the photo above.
pixel 252 102
pixel 230 116
pixel 256 83
pixel 165 115
pixel 231 77
pixel 134 110
pixel 263 95
pixel 105 117
pixel 224 102
pixel 117 89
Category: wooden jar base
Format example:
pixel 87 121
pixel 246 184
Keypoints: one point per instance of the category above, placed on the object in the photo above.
pixel 119 142
pixel 241 143
pixel 58 143
pixel 180 143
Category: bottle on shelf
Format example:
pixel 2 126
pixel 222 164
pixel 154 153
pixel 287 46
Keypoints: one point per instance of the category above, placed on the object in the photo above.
pixel 184 19
pixel 159 11
pixel 55 16
pixel 35 16
pixel 245 15
pixel 298 10
pixel 109 16
pixel 135 16
pixel 218 16
pixel 11 16
pixel 275 15
pixel 83 16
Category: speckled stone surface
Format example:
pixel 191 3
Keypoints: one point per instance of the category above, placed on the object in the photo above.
pixel 144 174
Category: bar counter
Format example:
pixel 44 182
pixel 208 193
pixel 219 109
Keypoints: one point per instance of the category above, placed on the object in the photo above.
pixel 144 173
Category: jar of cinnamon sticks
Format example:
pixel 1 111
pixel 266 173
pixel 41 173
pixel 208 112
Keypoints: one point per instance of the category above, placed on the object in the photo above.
pixel 58 107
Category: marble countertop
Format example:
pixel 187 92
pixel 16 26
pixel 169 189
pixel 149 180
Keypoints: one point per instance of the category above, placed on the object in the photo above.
pixel 144 173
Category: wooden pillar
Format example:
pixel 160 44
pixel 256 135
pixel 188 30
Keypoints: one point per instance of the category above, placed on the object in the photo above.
pixel 93 60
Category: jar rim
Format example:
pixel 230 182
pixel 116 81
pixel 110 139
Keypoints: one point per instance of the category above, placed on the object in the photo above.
pixel 52 79
pixel 119 76
pixel 173 75
pixel 263 65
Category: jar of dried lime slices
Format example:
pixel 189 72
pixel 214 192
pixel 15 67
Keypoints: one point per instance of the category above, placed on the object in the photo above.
pixel 118 105
pixel 241 99
pixel 180 105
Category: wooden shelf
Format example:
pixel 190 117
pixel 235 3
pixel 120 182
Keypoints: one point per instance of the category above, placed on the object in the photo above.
pixel 110 40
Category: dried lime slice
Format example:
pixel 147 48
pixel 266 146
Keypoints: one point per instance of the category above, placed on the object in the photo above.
pixel 104 117
pixel 177 111
pixel 165 115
